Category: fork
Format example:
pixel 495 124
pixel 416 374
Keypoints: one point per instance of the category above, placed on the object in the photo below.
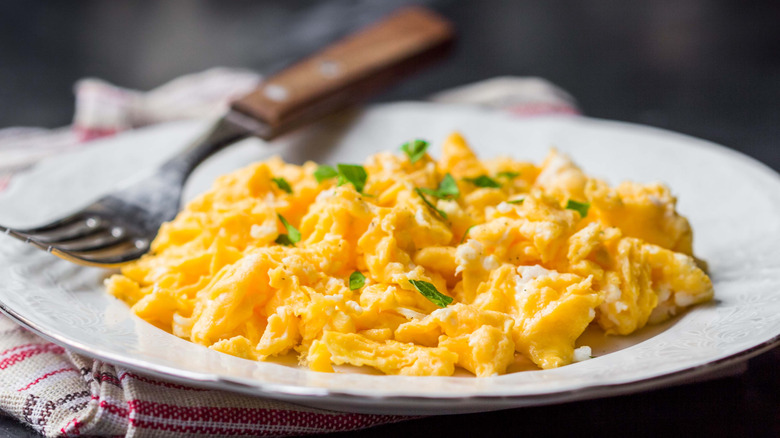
pixel 121 226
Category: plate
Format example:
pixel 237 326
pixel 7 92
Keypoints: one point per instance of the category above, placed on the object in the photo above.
pixel 732 202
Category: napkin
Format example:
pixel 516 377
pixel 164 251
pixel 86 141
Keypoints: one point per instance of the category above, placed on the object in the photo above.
pixel 60 393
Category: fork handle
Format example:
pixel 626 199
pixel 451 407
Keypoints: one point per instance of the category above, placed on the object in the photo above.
pixel 348 71
pixel 341 74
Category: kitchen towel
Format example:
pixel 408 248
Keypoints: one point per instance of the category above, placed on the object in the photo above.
pixel 60 393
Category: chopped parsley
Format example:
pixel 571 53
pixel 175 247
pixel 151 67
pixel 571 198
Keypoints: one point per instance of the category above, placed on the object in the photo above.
pixel 516 201
pixel 354 174
pixel 325 172
pixel 282 184
pixel 448 188
pixel 508 175
pixel 346 173
pixel 292 237
pixel 579 207
pixel 484 181
pixel 466 233
pixel 356 280
pixel 430 204
pixel 429 291
pixel 415 149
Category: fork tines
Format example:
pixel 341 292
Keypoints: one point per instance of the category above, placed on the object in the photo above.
pixel 84 238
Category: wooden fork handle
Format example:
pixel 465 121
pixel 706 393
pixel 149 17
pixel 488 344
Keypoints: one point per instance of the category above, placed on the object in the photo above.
pixel 349 70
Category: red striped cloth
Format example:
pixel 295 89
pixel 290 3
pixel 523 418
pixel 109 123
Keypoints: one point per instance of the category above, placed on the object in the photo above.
pixel 60 393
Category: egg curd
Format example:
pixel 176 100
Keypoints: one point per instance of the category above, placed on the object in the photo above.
pixel 415 266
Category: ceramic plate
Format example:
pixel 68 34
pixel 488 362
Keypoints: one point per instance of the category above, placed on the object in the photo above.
pixel 732 202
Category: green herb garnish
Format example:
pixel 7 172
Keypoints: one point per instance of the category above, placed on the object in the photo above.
pixel 356 280
pixel 579 207
pixel 430 204
pixel 354 174
pixel 292 237
pixel 324 172
pixel 466 233
pixel 508 175
pixel 429 291
pixel 282 184
pixel 415 149
pixel 284 239
pixel 484 181
pixel 448 188
pixel 346 173
pixel 516 201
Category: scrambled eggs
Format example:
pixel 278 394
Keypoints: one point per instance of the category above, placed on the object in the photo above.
pixel 415 266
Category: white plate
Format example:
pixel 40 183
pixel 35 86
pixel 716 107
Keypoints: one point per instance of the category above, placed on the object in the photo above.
pixel 732 202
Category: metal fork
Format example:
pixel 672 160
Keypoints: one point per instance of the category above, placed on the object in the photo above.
pixel 121 226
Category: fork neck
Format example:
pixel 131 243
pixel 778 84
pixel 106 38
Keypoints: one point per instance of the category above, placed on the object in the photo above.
pixel 229 129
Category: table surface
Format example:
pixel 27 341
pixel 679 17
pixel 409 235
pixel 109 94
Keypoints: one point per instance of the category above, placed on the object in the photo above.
pixel 707 69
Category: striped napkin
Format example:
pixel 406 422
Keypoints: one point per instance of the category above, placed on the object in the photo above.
pixel 60 393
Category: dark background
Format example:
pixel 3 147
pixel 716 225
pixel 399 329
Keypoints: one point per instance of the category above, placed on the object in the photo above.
pixel 710 69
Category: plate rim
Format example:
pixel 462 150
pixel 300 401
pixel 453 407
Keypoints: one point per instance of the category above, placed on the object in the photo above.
pixel 377 404
pixel 300 394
